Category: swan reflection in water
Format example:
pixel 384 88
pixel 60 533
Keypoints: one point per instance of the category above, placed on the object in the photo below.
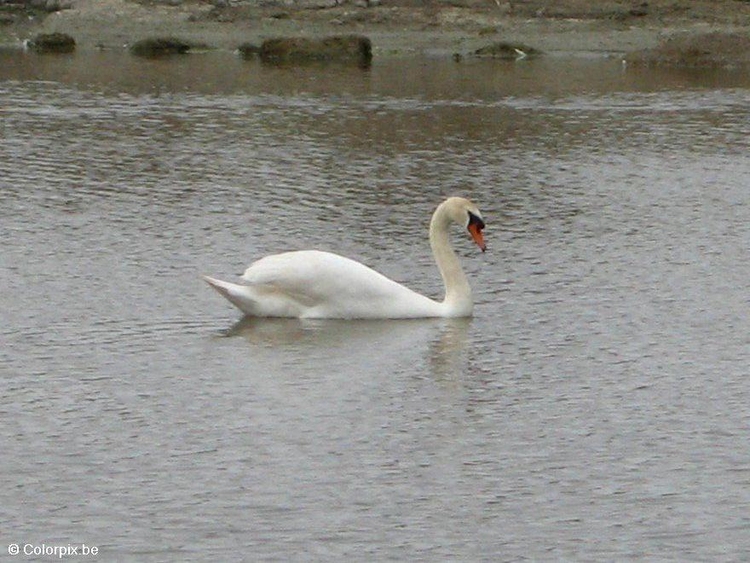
pixel 440 344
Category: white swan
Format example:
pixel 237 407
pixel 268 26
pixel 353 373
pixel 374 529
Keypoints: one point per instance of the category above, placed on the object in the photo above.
pixel 316 284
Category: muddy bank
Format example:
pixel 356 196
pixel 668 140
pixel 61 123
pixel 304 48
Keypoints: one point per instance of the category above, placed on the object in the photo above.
pixel 714 49
pixel 396 28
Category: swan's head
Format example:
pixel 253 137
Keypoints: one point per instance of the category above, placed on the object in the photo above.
pixel 465 213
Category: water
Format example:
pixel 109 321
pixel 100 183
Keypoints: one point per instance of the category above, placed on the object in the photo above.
pixel 595 408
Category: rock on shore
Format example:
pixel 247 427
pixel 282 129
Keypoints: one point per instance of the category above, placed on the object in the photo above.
pixel 53 43
pixel 160 46
pixel 354 49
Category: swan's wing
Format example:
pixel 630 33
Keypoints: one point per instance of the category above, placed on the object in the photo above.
pixel 327 284
pixel 314 276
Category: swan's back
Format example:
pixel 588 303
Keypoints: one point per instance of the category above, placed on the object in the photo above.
pixel 313 283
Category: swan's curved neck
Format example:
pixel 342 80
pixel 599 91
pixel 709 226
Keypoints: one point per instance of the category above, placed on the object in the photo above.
pixel 457 290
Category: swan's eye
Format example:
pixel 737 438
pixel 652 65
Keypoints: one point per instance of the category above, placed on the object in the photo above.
pixel 475 221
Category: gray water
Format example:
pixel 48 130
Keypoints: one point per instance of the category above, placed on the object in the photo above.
pixel 596 408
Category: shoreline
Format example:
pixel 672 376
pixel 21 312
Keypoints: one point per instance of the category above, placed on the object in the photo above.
pixel 395 31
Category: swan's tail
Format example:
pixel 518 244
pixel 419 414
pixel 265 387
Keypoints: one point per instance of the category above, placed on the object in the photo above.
pixel 241 296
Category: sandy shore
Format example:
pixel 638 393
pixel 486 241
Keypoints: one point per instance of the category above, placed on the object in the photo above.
pixel 399 28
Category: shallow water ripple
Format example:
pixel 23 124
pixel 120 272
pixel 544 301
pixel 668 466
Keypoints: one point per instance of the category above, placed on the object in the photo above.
pixel 595 408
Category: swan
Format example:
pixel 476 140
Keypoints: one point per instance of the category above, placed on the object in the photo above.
pixel 323 285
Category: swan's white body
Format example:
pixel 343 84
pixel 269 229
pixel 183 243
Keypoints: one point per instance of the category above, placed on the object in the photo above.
pixel 316 284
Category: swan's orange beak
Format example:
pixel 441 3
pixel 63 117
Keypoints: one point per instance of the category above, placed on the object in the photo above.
pixel 475 230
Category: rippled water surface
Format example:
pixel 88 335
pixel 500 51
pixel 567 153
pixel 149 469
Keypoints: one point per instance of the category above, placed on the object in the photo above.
pixel 597 406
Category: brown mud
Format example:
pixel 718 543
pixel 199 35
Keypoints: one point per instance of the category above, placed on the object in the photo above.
pixel 396 27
